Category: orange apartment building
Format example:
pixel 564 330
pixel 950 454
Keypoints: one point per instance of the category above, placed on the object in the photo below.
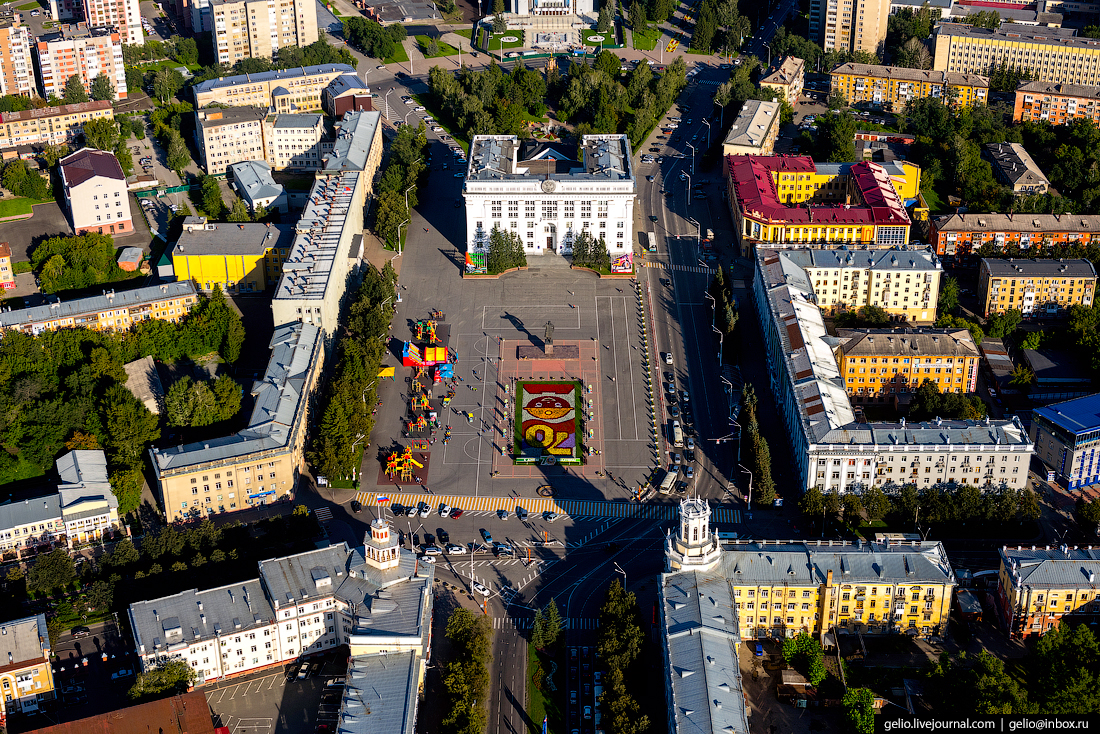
pixel 888 364
pixel 7 270
pixel 80 50
pixel 1059 104
pixel 961 235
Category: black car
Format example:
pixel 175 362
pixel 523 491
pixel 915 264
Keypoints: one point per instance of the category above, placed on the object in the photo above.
pixel 653 217
pixel 666 282
pixel 674 411
pixel 416 539
pixel 655 149
pixel 689 455
pixel 402 75
pixel 669 377
pixel 356 507
pixel 292 671
pixel 444 536
pixel 429 539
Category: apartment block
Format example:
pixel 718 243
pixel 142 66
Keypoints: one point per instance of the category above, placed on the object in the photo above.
pixel 122 15
pixel 792 200
pixel 1049 54
pixel 891 87
pixel 293 141
pixel 1015 168
pixel 96 193
pixel 16 67
pixel 880 365
pixel 1037 288
pixel 787 79
pixel 755 129
pixel 7 269
pixel 238 258
pixel 83 51
pixel 261 463
pixel 228 136
pixel 108 312
pixel 1067 440
pixel 962 235
pixel 26 673
pixel 849 25
pixel 1059 104
pixel 1039 587
pixel 50 125
pixel 259 28
pixel 287 90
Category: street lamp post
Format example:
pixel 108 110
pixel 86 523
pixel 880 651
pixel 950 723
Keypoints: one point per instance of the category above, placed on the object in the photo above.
pixel 707 123
pixel 387 98
pixel 748 503
pixel 399 238
pixel 768 46
pixel 620 570
pixel 688 179
pixel 399 248
pixel 692 157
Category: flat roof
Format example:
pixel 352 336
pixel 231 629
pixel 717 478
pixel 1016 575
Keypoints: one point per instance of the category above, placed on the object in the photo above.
pixel 1017 33
pixel 1040 268
pixel 1080 415
pixel 271 76
pixel 95 304
pixel 232 239
pixel 47 112
pixel 177 621
pixel 25 640
pixel 753 122
pixel 209 117
pixel 995 222
pixel 355 135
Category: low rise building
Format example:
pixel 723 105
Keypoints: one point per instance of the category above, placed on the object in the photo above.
pixel 1037 288
pixel 882 147
pixel 261 463
pixel 144 383
pixel 26 674
pixel 1057 103
pixel 225 136
pixel 962 235
pixel 185 713
pixel 238 258
pixel 16 66
pixel 85 52
pixel 108 312
pixel 1060 374
pixel 7 268
pixel 254 184
pixel 891 87
pixel 1067 440
pixel 787 79
pixel 890 364
pixel 346 93
pixel 755 129
pixel 1038 588
pixel 96 193
pixel 300 88
pixel 294 141
pixel 1016 169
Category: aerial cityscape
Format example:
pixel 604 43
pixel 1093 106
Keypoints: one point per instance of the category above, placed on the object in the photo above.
pixel 549 366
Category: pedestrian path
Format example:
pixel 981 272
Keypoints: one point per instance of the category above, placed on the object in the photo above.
pixel 526 623
pixel 711 82
pixel 682 268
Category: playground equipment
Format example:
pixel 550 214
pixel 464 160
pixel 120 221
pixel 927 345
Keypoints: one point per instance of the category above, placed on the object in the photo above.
pixel 414 356
pixel 425 331
pixel 418 424
pixel 400 465
pixel 419 402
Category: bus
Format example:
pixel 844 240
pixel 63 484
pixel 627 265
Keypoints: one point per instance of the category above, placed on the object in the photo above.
pixel 669 481
pixel 652 241
pixel 677 435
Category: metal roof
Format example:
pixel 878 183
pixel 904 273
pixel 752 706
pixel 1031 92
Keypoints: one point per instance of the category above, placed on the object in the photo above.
pixel 88 163
pixel 785 72
pixel 900 73
pixel 1081 415
pixel 47 112
pixel 598 158
pixel 346 83
pixel 212 117
pixel 94 304
pixel 232 239
pixel 1018 33
pixel 1058 89
pixel 25 640
pixel 380 694
pixel 308 266
pixel 751 562
pixel 908 342
pixel 268 76
pixel 1014 164
pixel 191 616
pixel 84 480
pixel 1047 567
pixel 753 122
pixel 995 222
pixel 254 180
pixel 297 120
pixel 355 137
pixel 1041 268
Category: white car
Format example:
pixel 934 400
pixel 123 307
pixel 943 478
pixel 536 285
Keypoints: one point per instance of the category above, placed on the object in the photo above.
pixel 433 550
pixel 380 68
pixel 427 559
pixel 445 511
pixel 480 589
pixel 456 550
pixel 425 510
pixel 550 516
pixel 419 108
pixel 410 101
pixel 437 129
pixel 668 357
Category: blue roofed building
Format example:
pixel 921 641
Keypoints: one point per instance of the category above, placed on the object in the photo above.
pixel 1067 440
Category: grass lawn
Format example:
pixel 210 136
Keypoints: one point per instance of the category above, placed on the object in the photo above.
pixel 646 40
pixel 28 6
pixel 15 207
pixel 935 205
pixel 21 267
pixel 22 469
pixel 426 101
pixel 167 64
pixel 445 49
pixel 541 703
pixel 465 33
pixel 399 54
pixel 689 50
pixel 495 44
pixel 608 38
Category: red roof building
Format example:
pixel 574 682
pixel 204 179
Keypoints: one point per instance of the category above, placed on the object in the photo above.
pixel 185 714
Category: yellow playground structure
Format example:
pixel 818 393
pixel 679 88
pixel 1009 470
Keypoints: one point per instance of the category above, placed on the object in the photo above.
pixel 425 331
pixel 400 465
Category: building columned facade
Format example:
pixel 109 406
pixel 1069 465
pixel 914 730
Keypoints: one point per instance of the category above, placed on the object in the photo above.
pixel 1067 440
pixel 1039 587
pixel 890 364
pixel 26 673
pixel 1037 288
pixel 108 312
pixel 891 87
pixel 961 235
pixel 547 194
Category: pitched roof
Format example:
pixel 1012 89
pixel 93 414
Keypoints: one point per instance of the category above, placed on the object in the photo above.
pixel 1014 164
pixel 900 73
pixel 995 222
pixel 1058 89
pixel 45 112
pixel 95 304
pixel 187 713
pixel 88 163
pixel 1047 267
pixel 1058 567
pixel 908 342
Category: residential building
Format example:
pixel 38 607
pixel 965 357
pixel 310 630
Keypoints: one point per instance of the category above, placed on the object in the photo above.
pixel 831 450
pixel 83 51
pixel 50 125
pixel 257 29
pixel 261 463
pixel 1060 375
pixel 884 147
pixel 1037 288
pixel 238 258
pixel 96 193
pixel 82 510
pixel 300 88
pixel 254 184
pixel 1059 104
pixel 547 194
pixel 63 10
pixel 26 674
pixel 891 87
pixel 755 129
pixel 889 364
pixel 225 136
pixel 1067 440
pixel 1039 587
pixel 791 199
pixel 185 713
pixel 1049 54
pixel 16 67
pixel 293 141
pixel 1016 169
pixel 122 15
pixel 376 599
pixel 849 26
pixel 108 312
pixel 963 235
pixel 7 268
pixel 787 79
pixel 202 17
pixel 346 93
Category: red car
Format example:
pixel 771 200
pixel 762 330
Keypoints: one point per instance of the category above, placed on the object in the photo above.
pixel 456 513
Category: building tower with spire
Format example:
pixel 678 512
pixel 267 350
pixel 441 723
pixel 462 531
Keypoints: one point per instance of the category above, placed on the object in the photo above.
pixel 695 545
pixel 380 547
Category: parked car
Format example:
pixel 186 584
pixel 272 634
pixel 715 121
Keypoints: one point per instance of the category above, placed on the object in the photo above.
pixel 456 513
pixel 456 550
pixel 502 514
pixel 481 589
pixel 444 510
pixel 550 516
pixel 433 550
pixel 425 510
pixel 521 512
pixel 356 506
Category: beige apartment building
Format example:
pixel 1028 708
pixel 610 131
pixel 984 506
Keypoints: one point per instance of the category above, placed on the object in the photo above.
pixel 787 79
pixel 262 463
pixel 755 129
pixel 122 15
pixel 16 69
pixel 259 28
pixel 849 25
pixel 1049 54
pixel 294 141
pixel 287 90
pixel 87 52
pixel 26 675
pixel 96 192
pixel 50 125
pixel 228 136
pixel 108 312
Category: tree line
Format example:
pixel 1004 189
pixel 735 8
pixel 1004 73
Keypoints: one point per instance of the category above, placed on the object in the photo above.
pixel 373 39
pixel 489 101
pixel 70 263
pixel 466 677
pixel 726 315
pixel 619 645
pixel 404 173
pixel 287 57
pixel 589 252
pixel 763 485
pixel 504 251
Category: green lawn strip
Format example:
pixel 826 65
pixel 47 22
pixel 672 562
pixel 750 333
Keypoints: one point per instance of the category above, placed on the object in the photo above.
pixel 28 6
pixel 693 52
pixel 166 64
pixel 646 40
pixel 445 49
pixel 15 207
pixel 21 267
pixel 495 43
pixel 935 205
pixel 608 38
pixel 541 703
pixel 465 33
pixel 425 100
pixel 399 54
pixel 23 469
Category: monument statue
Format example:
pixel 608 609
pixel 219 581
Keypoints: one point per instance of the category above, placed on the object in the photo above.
pixel 549 338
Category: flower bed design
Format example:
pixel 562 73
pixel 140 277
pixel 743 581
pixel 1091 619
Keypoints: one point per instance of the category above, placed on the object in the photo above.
pixel 547 423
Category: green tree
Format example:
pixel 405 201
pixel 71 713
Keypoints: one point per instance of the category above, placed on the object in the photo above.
pixel 51 572
pixel 178 155
pixel 1022 376
pixel 100 595
pixel 552 622
pixel 22 181
pixel 505 251
pixel 179 403
pixel 812 503
pixel 103 89
pixel 187 51
pixel 101 133
pixel 166 83
pixel 603 24
pixel 638 17
pixel 538 631
pixel 949 295
pixel 1003 323
pixel 124 554
pixel 239 211
pixel 805 653
pixel 1032 340
pixel 170 678
pixel 130 427
pixel 876 503
pixel 212 202
pixel 859 710
pixel 52 153
pixel 127 486
pixel 74 90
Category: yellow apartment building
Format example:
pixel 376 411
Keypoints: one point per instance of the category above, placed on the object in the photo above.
pixel 1049 54
pixel 26 676
pixel 7 269
pixel 50 125
pixel 241 258
pixel 891 87
pixel 1037 288
pixel 886 364
pixel 108 312
pixel 298 90
pixel 1039 587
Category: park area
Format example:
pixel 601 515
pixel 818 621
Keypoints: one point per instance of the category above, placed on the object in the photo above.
pixel 547 422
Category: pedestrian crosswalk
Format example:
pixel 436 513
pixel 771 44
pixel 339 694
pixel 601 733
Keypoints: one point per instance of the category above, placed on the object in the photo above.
pixel 323 514
pixel 526 623
pixel 681 268
pixel 710 82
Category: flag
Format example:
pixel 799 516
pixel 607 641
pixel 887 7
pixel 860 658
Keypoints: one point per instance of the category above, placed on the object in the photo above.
pixel 543 725
pixel 383 498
